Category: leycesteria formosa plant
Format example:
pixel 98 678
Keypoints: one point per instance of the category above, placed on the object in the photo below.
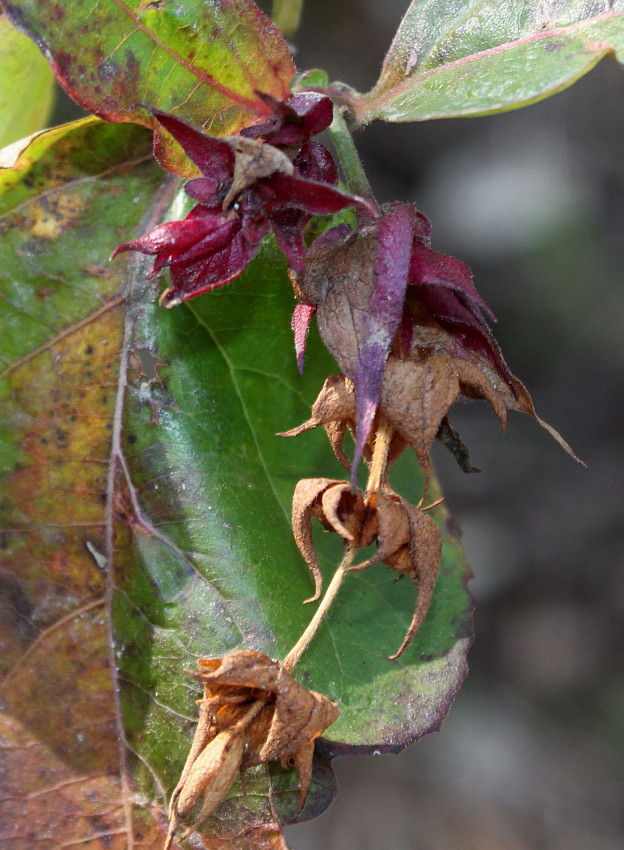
pixel 145 466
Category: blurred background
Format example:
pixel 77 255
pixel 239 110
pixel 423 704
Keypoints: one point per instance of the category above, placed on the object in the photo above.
pixel 531 756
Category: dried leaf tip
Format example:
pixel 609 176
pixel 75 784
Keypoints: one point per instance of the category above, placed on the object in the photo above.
pixel 252 712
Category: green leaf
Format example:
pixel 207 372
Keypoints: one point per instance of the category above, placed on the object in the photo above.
pixel 477 57
pixel 202 60
pixel 26 85
pixel 145 498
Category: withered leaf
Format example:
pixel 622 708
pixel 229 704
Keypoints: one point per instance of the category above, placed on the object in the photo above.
pixel 450 438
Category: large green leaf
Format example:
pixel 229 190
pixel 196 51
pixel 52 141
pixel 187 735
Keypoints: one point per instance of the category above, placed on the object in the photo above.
pixel 26 85
pixel 475 57
pixel 145 500
pixel 202 60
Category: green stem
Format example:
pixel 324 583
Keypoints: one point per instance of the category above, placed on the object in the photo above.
pixel 287 15
pixel 355 176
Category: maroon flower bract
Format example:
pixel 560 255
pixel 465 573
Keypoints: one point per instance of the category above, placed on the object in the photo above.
pixel 398 282
pixel 247 187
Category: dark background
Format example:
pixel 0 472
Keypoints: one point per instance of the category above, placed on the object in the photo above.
pixel 531 755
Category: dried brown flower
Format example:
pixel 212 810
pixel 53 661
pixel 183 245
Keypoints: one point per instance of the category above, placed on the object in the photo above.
pixel 408 540
pixel 252 712
pixel 416 394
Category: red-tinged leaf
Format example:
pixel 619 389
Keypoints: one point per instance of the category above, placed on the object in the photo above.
pixel 477 57
pixel 203 60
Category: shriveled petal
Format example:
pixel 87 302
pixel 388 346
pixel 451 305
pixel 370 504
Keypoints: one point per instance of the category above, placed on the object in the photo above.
pixel 415 399
pixel 214 158
pixel 306 493
pixel 300 717
pixel 335 402
pixel 212 774
pixel 243 667
pixel 426 554
pixel 393 530
pixel 342 509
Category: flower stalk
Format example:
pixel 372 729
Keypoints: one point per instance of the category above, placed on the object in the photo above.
pixel 353 170
pixel 335 584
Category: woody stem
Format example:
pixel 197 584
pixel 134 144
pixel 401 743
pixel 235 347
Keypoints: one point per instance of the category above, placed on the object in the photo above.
pixel 330 594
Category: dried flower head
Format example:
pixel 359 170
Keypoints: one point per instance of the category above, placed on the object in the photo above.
pixel 408 541
pixel 407 328
pixel 252 712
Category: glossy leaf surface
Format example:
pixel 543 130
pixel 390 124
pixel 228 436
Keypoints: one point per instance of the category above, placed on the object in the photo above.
pixel 145 499
pixel 26 85
pixel 476 57
pixel 201 60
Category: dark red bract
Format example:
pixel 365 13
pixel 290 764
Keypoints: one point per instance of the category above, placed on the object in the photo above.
pixel 247 188
pixel 384 283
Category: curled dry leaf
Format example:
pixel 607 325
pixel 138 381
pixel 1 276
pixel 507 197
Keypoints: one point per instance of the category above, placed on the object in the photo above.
pixel 408 540
pixel 252 712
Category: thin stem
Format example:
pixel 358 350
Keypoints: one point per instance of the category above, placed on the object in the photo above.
pixel 325 604
pixel 379 465
pixel 355 176
pixel 287 15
